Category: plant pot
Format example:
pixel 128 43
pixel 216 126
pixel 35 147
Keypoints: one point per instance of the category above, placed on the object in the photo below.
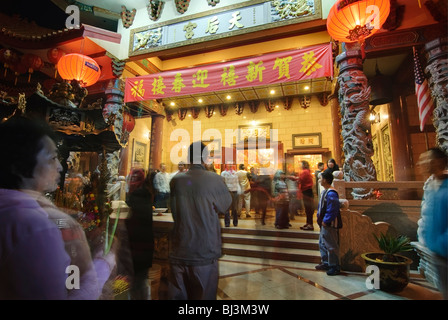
pixel 394 276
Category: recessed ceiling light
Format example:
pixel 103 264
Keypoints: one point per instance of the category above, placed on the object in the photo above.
pixel 172 104
pixel 272 91
pixel 306 88
pixel 200 100
pixel 228 97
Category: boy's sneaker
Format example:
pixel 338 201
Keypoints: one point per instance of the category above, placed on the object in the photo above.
pixel 322 266
pixel 334 270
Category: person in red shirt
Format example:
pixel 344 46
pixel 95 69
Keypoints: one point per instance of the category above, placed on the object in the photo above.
pixel 305 181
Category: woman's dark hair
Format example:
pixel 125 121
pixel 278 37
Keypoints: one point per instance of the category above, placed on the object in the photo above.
pixel 20 142
pixel 305 164
pixel 438 153
pixel 335 167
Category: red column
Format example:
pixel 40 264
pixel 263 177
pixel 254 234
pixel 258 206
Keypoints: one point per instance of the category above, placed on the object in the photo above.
pixel 155 155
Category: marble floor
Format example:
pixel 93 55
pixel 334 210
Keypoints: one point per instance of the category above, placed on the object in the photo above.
pixel 243 278
pixel 247 278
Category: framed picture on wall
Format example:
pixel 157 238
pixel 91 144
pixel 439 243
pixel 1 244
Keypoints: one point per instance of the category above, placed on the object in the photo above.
pixel 307 140
pixel 139 157
pixel 214 147
pixel 254 132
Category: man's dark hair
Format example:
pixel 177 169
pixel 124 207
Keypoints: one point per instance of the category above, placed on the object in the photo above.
pixel 20 143
pixel 438 153
pixel 328 176
pixel 241 166
pixel 195 152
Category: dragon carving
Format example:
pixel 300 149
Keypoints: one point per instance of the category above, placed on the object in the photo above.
pixel 354 94
pixel 438 70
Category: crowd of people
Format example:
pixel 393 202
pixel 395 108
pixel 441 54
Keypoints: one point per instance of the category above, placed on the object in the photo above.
pixel 40 244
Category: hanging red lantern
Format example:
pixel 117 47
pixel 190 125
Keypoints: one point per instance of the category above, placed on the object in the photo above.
pixel 32 62
pixel 79 67
pixel 8 57
pixel 128 122
pixel 355 20
pixel 18 69
pixel 54 54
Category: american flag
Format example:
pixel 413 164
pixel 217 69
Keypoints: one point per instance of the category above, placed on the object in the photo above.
pixel 424 101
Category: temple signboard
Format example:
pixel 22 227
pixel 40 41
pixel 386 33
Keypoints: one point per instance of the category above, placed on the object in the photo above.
pixel 221 23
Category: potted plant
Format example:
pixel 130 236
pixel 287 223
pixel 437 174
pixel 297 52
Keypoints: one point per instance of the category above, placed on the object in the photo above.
pixel 394 268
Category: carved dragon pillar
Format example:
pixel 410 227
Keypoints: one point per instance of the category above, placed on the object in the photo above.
pixel 353 95
pixel 437 68
pixel 113 115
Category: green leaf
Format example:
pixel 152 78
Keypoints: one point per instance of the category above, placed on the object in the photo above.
pixel 393 245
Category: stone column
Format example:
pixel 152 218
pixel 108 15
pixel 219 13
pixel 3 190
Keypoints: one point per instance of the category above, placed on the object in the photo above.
pixel 354 96
pixel 437 68
pixel 155 156
pixel 336 123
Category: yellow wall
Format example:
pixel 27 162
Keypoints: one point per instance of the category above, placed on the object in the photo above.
pixel 139 134
pixel 297 120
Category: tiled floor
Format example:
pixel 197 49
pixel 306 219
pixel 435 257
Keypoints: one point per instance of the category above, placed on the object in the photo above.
pixel 246 278
pixel 243 278
pixel 256 279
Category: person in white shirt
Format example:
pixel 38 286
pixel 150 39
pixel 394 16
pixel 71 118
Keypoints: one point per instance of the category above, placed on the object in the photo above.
pixel 231 179
pixel 243 180
pixel 180 168
pixel 162 186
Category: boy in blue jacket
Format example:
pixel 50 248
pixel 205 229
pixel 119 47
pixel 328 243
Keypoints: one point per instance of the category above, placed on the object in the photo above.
pixel 329 221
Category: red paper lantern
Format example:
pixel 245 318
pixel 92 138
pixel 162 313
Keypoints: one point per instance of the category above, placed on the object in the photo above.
pixel 9 58
pixel 54 55
pixel 355 20
pixel 32 62
pixel 18 68
pixel 128 122
pixel 78 67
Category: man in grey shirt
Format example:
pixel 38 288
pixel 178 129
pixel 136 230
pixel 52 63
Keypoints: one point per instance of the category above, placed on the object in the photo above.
pixel 197 196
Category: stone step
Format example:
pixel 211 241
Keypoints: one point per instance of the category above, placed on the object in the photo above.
pixel 271 241
pixel 289 233
pixel 272 253
pixel 286 245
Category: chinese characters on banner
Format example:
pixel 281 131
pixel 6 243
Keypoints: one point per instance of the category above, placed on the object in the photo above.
pixel 308 63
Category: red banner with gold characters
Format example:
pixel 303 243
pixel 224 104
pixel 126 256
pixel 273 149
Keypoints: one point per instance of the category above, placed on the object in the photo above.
pixel 287 66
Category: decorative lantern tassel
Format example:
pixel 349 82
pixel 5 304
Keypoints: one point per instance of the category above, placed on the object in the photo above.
pixel 363 50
